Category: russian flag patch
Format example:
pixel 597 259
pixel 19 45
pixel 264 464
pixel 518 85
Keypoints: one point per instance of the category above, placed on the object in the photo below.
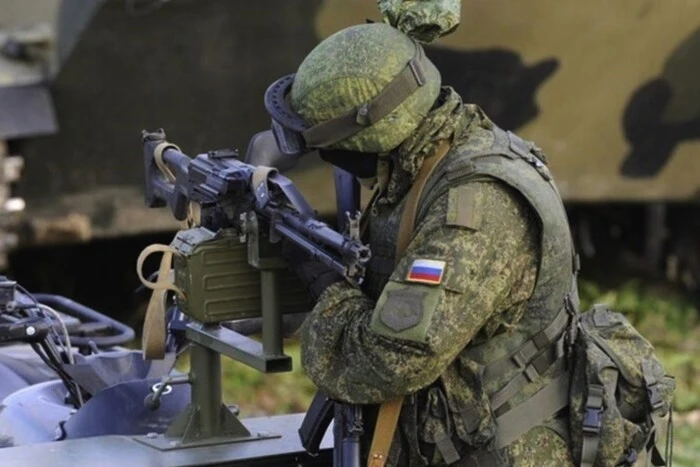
pixel 427 271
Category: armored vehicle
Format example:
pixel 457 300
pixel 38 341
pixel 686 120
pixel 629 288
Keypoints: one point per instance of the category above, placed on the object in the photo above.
pixel 608 91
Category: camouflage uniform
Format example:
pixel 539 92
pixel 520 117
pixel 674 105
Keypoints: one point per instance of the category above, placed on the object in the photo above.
pixel 400 337
pixel 425 20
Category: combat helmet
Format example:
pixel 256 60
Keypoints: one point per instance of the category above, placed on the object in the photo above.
pixel 365 88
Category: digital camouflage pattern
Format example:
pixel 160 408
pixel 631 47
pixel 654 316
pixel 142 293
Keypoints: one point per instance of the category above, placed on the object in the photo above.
pixel 611 353
pixel 397 337
pixel 425 20
pixel 442 123
pixel 350 68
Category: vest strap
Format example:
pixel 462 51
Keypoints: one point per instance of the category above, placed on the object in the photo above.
pixel 524 355
pixel 522 418
pixel 538 366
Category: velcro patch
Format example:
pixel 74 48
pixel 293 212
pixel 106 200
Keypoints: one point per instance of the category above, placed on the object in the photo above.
pixel 403 309
pixel 426 271
pixel 463 207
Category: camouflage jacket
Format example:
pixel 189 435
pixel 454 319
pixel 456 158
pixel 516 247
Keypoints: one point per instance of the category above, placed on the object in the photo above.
pixel 419 326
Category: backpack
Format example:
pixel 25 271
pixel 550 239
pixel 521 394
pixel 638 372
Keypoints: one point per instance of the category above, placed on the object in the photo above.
pixel 618 389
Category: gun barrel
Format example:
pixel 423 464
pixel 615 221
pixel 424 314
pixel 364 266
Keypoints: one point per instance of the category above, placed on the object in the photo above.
pixel 323 234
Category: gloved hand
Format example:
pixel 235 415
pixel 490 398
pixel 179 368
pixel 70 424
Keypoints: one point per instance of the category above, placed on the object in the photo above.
pixel 314 275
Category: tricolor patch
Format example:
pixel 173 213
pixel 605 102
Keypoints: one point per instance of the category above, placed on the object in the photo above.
pixel 427 271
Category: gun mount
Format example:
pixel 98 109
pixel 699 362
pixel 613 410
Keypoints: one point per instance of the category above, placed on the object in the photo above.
pixel 227 267
pixel 224 266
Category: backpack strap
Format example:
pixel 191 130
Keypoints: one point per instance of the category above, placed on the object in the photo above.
pixel 655 402
pixel 520 419
pixel 592 420
pixel 389 411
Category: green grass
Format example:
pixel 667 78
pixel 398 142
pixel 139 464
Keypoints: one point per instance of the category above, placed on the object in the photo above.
pixel 669 320
pixel 686 444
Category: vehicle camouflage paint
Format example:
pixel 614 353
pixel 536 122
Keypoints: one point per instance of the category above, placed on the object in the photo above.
pixel 609 91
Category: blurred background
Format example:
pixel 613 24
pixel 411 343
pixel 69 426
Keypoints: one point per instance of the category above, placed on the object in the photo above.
pixel 609 90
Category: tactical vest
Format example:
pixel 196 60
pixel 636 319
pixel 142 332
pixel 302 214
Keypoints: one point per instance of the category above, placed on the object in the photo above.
pixel 513 363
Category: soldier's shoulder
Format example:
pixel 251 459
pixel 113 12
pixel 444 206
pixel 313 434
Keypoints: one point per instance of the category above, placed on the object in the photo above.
pixel 486 204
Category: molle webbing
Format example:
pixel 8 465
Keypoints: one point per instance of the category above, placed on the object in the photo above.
pixel 522 418
pixel 530 362
pixel 518 164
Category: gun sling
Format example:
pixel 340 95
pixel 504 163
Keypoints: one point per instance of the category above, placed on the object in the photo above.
pixel 153 339
pixel 389 411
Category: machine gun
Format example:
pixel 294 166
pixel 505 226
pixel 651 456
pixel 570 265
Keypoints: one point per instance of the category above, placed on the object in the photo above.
pixel 226 191
pixel 227 267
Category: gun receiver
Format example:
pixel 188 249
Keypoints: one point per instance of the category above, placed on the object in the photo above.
pixel 226 189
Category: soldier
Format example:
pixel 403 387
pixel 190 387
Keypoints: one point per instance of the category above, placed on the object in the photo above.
pixel 472 277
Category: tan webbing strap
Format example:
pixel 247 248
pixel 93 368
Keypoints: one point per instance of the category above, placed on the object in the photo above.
pixel 158 157
pixel 389 411
pixel 408 217
pixel 153 339
pixel 384 430
pixel 258 181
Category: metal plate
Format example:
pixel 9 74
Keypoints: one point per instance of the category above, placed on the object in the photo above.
pixel 115 451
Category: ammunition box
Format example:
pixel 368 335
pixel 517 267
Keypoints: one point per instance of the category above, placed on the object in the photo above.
pixel 219 283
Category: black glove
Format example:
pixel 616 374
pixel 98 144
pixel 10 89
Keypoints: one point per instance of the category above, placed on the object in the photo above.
pixel 313 274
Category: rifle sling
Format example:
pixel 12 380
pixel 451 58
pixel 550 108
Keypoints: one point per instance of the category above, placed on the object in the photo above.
pixel 389 411
pixel 153 338
pixel 408 217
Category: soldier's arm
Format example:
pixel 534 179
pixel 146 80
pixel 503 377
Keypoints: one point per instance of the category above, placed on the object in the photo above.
pixel 365 352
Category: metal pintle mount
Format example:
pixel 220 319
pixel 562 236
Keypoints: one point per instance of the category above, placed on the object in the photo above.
pixel 207 420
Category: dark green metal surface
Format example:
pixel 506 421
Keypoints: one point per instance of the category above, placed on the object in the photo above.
pixel 241 348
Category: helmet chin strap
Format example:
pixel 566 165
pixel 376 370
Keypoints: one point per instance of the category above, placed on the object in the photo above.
pixel 380 181
pixel 383 172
